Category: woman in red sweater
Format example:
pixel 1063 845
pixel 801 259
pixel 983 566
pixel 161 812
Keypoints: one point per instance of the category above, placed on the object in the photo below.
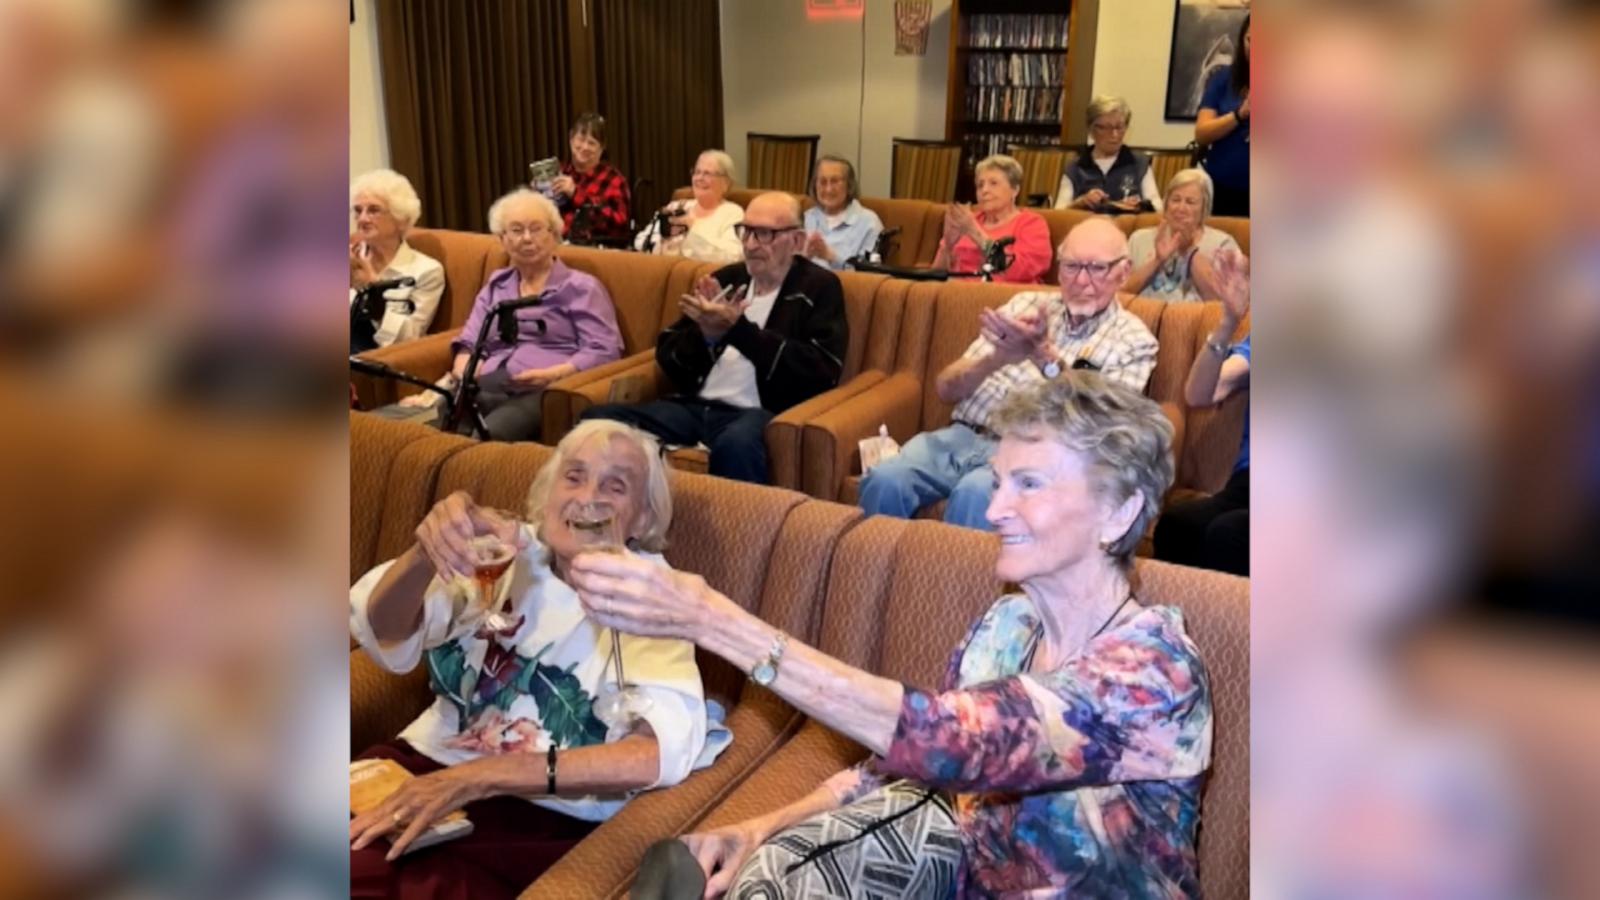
pixel 969 232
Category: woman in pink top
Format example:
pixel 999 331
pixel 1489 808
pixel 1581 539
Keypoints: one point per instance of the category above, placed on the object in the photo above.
pixel 968 234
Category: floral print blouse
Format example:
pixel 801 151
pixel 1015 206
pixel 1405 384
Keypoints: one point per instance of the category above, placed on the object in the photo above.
pixel 1083 781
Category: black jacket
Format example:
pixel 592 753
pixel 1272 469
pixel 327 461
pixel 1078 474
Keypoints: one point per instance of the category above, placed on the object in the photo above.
pixel 798 355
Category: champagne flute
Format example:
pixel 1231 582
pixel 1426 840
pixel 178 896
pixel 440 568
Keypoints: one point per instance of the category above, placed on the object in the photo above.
pixel 596 526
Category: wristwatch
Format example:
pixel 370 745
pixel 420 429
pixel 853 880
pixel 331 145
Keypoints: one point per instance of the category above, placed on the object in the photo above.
pixel 766 671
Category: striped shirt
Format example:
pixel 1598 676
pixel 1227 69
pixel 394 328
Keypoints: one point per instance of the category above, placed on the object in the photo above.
pixel 1114 339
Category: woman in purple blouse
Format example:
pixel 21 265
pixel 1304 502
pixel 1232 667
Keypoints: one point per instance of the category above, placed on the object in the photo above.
pixel 1064 753
pixel 574 328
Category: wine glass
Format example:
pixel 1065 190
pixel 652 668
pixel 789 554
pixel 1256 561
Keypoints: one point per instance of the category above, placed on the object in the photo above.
pixel 491 558
pixel 620 704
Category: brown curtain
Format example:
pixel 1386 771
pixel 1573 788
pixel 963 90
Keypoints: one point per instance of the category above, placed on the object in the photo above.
pixel 473 90
pixel 660 89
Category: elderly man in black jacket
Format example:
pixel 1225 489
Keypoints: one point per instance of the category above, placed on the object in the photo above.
pixel 755 338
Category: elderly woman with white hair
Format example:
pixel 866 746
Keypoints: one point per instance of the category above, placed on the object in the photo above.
pixel 521 734
pixel 572 329
pixel 971 233
pixel 383 208
pixel 701 227
pixel 1065 751
pixel 1107 177
pixel 1172 261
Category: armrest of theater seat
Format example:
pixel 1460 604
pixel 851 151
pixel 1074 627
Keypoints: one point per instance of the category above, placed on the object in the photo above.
pixel 427 357
pixel 382 703
pixel 785 431
pixel 1178 415
pixel 567 399
pixel 830 440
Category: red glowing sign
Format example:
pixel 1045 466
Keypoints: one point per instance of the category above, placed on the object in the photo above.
pixel 835 9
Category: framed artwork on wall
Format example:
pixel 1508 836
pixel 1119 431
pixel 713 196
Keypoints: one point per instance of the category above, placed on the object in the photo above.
pixel 1203 37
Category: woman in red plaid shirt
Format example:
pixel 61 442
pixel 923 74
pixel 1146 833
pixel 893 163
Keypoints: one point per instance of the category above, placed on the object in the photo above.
pixel 593 196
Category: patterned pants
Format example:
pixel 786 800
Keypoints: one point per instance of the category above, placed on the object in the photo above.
pixel 899 841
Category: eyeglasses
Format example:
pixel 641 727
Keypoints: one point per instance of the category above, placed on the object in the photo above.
pixel 519 231
pixel 1097 270
pixel 1103 128
pixel 707 173
pixel 761 235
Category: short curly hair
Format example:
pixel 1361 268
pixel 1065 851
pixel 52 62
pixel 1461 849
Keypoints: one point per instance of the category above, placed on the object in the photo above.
pixel 396 192
pixel 1125 436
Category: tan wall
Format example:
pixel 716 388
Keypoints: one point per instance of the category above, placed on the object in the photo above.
pixel 369 142
pixel 1133 43
pixel 785 74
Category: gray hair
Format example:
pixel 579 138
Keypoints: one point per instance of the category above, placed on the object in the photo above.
pixel 1123 434
pixel 852 187
pixel 394 190
pixel 1105 105
pixel 1006 164
pixel 1193 176
pixel 724 162
pixel 657 493
pixel 551 215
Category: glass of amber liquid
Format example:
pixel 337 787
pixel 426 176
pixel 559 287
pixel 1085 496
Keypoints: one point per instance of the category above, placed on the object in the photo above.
pixel 492 557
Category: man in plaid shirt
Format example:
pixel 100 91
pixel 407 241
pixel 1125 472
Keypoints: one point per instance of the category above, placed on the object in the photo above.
pixel 593 196
pixel 1037 335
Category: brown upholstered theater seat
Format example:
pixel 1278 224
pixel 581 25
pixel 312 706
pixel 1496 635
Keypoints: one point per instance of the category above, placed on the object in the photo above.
pixel 392 470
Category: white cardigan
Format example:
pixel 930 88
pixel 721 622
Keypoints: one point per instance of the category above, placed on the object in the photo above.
pixel 709 239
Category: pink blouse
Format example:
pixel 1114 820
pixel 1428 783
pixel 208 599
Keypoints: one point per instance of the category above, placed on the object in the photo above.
pixel 1031 255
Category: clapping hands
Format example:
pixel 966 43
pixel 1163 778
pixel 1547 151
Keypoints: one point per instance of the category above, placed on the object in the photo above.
pixel 1232 274
pixel 1014 339
pixel 714 308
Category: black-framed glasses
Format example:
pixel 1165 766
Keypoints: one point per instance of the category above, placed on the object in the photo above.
pixel 1097 270
pixel 759 234
pixel 1084 364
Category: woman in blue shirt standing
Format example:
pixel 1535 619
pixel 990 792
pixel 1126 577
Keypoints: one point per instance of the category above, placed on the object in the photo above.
pixel 1222 129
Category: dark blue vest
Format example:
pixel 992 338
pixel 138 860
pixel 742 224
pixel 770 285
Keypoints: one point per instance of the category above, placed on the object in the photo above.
pixel 1125 178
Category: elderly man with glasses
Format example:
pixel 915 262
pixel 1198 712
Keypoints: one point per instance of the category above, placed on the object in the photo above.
pixel 755 338
pixel 1034 337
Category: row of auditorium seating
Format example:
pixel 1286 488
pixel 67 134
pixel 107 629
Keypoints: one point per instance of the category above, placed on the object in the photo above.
pixel 901 334
pixel 887 595
pixel 921 224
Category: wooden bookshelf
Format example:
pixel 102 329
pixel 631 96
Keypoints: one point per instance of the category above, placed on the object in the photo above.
pixel 1011 80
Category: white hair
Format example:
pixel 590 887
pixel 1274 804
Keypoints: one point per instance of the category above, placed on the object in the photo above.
pixel 1193 176
pixel 552 216
pixel 1106 105
pixel 657 494
pixel 724 162
pixel 394 190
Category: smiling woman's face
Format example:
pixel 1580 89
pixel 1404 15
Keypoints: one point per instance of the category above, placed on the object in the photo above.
pixel 611 472
pixel 1045 509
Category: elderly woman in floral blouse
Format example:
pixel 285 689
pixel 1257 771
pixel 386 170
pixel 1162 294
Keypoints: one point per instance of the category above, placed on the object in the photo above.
pixel 519 734
pixel 1065 750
